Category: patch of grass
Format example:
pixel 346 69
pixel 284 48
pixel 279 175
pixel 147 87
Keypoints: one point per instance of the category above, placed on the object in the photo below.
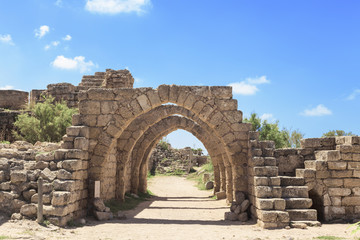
pixel 130 202
pixel 149 175
pixel 4 237
pixel 329 238
pixel 198 178
pixel 45 223
pixel 4 142
pixel 177 172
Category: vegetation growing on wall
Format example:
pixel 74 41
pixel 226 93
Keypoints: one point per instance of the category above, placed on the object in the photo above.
pixel 47 123
pixel 337 133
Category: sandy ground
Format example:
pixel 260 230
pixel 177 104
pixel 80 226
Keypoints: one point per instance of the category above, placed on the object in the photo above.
pixel 180 211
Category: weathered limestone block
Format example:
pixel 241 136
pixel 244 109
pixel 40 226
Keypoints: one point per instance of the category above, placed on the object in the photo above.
pixel 330 155
pixel 46 198
pixel 356 156
pixel 99 205
pixel 334 210
pixel 100 94
pixel 269 171
pixel 67 185
pixel 4 164
pixel 353 165
pixel 89 107
pixel 339 191
pixel 264 204
pixel 17 177
pixel 356 191
pixel 103 216
pixel 351 182
pixel 349 140
pixel 221 92
pixel 295 191
pixel 334 182
pixel 60 198
pixel 46 157
pixel 273 216
pixel 341 174
pixel 337 165
pixel 81 143
pixel 350 201
pixel 231 216
pixel 28 210
pixel 220 195
pixel 261 181
pixel 62 174
pixel 47 174
pixel 74 164
pixel 263 191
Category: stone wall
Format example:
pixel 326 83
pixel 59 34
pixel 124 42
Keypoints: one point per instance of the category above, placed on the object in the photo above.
pixel 65 190
pixel 117 127
pixel 13 99
pixel 68 92
pixel 319 181
pixel 333 178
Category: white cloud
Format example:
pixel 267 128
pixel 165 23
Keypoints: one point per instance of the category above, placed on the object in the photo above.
pixel 7 87
pixel 319 110
pixel 243 88
pixel 59 3
pixel 259 80
pixel 248 87
pixel 54 44
pixel 67 38
pixel 267 116
pixel 116 6
pixel 42 31
pixel 77 63
pixel 6 39
pixel 353 95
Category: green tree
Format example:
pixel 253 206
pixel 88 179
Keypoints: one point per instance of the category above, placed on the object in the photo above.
pixel 270 131
pixel 295 137
pixel 337 133
pixel 47 122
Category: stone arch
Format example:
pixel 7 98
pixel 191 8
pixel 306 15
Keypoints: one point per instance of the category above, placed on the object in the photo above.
pixel 144 122
pixel 107 112
pixel 142 149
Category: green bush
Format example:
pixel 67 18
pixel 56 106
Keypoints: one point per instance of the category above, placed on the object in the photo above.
pixel 270 131
pixel 164 144
pixel 46 123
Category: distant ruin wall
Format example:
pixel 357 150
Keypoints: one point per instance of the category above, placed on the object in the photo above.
pixel 13 99
pixel 69 93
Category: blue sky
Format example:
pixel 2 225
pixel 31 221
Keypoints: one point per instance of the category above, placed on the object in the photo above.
pixel 293 61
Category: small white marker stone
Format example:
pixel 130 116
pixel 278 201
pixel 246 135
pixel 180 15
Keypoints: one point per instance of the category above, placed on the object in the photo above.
pixel 97 189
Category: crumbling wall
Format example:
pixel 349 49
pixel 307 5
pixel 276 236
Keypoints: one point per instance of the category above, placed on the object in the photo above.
pixel 64 188
pixel 168 159
pixel 13 99
pixel 69 93
pixel 333 178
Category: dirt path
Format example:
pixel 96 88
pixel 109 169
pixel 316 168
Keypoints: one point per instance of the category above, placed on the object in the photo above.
pixel 180 211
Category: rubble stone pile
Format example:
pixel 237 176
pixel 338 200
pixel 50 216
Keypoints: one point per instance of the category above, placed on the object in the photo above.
pixel 165 159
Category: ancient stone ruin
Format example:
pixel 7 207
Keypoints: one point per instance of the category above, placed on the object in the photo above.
pixel 118 126
pixel 165 159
